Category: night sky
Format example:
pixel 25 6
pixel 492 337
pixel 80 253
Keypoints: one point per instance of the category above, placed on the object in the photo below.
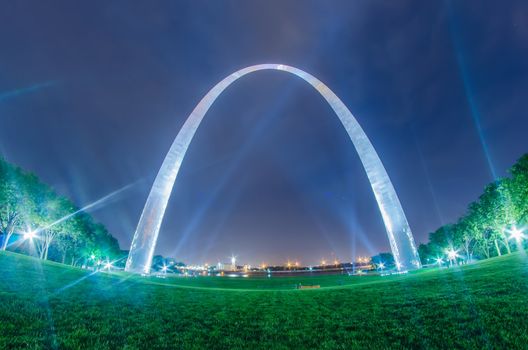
pixel 93 93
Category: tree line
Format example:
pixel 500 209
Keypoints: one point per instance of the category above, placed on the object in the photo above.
pixel 493 225
pixel 35 220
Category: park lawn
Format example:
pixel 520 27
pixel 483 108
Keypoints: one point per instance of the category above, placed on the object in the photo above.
pixel 49 305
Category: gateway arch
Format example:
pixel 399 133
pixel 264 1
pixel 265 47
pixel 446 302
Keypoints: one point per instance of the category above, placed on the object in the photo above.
pixel 398 231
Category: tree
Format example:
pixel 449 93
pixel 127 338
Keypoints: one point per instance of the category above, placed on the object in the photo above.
pixel 71 241
pixel 14 201
pixel 425 253
pixel 383 258
pixel 442 239
pixel 464 236
pixel 62 231
pixel 9 210
pixel 517 187
pixel 482 231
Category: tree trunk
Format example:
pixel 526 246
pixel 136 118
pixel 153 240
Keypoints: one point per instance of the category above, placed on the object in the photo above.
pixel 47 239
pixel 4 242
pixel 507 244
pixel 497 247
pixel 9 228
pixel 486 252
pixel 466 248
pixel 7 235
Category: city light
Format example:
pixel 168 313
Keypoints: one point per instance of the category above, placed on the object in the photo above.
pixel 381 266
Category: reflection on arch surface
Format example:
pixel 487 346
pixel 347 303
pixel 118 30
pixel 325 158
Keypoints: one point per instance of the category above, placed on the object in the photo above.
pixel 398 230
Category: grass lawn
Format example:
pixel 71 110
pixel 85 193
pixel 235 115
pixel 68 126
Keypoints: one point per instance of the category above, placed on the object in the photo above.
pixel 48 305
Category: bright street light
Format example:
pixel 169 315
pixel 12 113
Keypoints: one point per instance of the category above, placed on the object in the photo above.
pixel 30 235
pixel 452 254
pixel 516 234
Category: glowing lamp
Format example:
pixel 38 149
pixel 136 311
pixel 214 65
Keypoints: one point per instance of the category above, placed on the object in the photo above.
pixel 516 234
pixel 452 254
pixel 29 235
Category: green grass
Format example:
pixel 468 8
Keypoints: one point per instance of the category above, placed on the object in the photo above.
pixel 484 305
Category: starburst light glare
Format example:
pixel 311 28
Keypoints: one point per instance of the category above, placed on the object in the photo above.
pixel 452 254
pixel 29 235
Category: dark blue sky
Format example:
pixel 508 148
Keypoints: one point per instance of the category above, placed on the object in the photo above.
pixel 92 95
